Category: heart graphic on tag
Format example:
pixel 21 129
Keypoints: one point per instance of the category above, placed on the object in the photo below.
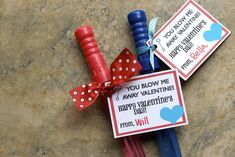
pixel 213 34
pixel 171 115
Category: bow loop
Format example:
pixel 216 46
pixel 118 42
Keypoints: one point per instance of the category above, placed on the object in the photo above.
pixel 85 95
pixel 122 69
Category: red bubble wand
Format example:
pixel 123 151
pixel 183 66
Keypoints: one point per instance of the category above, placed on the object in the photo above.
pixel 105 83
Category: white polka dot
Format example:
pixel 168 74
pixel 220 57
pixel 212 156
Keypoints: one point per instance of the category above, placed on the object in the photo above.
pixel 83 86
pixel 89 84
pixel 82 93
pixel 74 100
pixel 120 60
pixel 133 69
pixel 114 77
pixel 120 76
pixel 120 68
pixel 127 60
pixel 89 99
pixel 127 52
pixel 134 61
pixel 96 91
pixel 113 69
pixel 127 68
pixel 75 93
pixel 81 106
pixel 124 77
pixel 82 100
pixel 89 91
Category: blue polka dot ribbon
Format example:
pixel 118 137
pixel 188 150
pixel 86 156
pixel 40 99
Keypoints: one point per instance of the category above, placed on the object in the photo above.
pixel 150 48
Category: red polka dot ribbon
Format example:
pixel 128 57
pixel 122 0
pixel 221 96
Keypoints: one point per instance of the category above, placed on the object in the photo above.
pixel 122 69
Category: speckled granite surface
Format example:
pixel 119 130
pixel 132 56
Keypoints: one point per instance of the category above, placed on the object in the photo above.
pixel 40 61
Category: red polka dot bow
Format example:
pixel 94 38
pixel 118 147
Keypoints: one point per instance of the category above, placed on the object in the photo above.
pixel 122 69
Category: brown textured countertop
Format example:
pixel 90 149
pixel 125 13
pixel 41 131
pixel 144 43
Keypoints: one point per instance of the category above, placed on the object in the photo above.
pixel 40 61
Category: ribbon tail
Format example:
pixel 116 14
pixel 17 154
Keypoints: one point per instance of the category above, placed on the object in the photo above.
pixel 151 58
pixel 152 25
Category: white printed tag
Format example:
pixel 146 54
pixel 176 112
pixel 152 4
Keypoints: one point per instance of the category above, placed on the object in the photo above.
pixel 189 38
pixel 147 103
